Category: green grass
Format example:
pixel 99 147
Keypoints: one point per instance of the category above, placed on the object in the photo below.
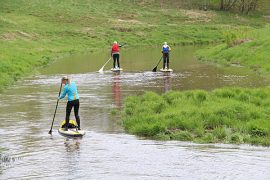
pixel 33 33
pixel 250 48
pixel 227 115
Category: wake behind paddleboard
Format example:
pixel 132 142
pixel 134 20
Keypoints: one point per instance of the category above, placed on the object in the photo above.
pixel 71 132
pixel 116 69
pixel 166 70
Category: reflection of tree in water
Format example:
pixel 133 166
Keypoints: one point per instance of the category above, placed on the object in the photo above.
pixel 117 90
pixel 167 81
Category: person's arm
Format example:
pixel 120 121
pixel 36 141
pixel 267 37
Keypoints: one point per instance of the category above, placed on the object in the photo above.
pixel 63 94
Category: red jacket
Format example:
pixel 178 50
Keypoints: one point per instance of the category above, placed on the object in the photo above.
pixel 115 49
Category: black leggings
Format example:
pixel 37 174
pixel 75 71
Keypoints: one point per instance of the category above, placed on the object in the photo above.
pixel 166 60
pixel 116 57
pixel 69 107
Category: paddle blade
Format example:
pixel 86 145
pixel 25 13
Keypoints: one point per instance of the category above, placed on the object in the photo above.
pixel 155 69
pixel 101 70
pixel 50 132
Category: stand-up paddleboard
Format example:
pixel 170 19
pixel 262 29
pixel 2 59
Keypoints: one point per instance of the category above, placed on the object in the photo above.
pixel 116 69
pixel 72 130
pixel 166 70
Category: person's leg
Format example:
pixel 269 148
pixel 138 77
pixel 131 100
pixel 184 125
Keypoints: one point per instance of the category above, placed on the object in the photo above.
pixel 164 60
pixel 76 112
pixel 68 110
pixel 118 60
pixel 114 59
pixel 168 60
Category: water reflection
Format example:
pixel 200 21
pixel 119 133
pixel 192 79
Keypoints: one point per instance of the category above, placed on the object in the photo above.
pixel 72 145
pixel 116 87
pixel 167 81
pixel 71 158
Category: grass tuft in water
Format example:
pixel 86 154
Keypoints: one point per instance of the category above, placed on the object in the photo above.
pixel 227 115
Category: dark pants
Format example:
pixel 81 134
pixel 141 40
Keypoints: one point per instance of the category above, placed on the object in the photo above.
pixel 116 57
pixel 70 105
pixel 166 60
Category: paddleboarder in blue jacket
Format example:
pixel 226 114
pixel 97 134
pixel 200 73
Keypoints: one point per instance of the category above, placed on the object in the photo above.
pixel 70 89
pixel 166 55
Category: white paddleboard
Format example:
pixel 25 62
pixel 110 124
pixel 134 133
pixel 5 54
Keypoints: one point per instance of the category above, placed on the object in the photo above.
pixel 71 132
pixel 166 70
pixel 116 69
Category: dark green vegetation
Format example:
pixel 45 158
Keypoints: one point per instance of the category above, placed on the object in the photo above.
pixel 228 115
pixel 33 33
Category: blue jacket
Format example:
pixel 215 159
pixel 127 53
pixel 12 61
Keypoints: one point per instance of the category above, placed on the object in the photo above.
pixel 166 49
pixel 71 91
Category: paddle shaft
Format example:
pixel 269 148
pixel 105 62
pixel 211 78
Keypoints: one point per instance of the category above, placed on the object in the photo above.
pixel 101 69
pixel 121 45
pixel 155 68
pixel 50 132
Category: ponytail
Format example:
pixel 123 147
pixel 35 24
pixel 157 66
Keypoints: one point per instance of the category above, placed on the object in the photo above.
pixel 68 80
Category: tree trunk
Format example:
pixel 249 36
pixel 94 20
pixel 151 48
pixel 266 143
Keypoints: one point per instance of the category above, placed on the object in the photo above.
pixel 221 5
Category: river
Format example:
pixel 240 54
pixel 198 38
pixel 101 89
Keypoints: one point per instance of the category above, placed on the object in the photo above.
pixel 106 151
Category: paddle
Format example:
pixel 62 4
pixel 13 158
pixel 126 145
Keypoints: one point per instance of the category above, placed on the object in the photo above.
pixel 155 68
pixel 50 132
pixel 101 69
pixel 121 45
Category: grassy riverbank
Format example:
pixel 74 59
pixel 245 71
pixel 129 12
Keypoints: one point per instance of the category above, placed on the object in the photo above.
pixel 245 48
pixel 33 33
pixel 228 115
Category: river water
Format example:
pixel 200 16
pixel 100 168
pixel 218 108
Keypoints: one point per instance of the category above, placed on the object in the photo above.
pixel 106 152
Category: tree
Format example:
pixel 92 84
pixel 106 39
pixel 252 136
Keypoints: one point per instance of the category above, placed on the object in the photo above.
pixel 242 6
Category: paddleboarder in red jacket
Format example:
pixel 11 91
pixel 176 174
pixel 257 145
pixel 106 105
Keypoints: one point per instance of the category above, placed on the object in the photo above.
pixel 115 53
